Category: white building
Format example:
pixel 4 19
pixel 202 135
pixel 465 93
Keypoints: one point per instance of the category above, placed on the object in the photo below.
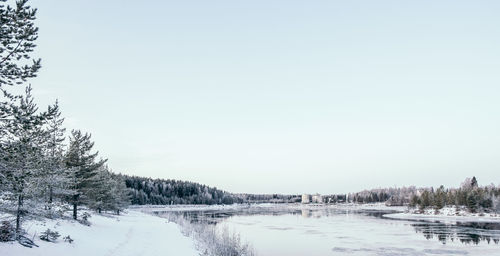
pixel 306 198
pixel 317 199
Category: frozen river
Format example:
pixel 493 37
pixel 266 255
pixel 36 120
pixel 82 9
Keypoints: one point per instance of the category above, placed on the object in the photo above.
pixel 330 231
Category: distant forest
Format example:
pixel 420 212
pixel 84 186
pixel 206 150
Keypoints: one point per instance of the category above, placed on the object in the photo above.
pixel 166 191
pixel 163 192
pixel 469 195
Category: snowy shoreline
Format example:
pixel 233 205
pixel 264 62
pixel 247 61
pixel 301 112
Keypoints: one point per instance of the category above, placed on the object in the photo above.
pixel 441 218
pixel 194 207
pixel 446 215
pixel 133 233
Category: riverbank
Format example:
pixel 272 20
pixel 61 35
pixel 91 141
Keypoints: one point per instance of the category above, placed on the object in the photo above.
pixel 233 207
pixel 133 233
pixel 446 215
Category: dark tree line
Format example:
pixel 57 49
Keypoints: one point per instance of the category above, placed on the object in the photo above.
pixel 269 198
pixel 166 191
pixel 163 192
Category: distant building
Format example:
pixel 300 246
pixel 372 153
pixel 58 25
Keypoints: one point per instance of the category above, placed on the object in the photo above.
pixel 306 198
pixel 317 199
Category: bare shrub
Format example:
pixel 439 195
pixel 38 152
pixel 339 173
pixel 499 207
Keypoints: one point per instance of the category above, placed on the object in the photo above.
pixel 85 219
pixel 212 240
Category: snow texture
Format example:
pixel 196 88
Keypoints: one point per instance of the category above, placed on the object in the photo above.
pixel 133 233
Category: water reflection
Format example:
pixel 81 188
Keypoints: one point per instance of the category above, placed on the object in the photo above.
pixel 466 233
pixel 216 216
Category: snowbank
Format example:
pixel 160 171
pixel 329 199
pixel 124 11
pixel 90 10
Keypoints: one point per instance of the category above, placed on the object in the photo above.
pixel 446 215
pixel 133 233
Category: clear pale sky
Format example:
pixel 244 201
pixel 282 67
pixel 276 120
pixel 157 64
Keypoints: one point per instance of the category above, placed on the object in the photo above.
pixel 280 96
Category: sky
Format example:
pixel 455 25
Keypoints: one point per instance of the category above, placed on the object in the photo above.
pixel 280 96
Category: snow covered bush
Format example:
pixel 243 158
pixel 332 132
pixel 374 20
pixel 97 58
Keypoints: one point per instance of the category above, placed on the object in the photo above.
pixel 85 219
pixel 7 232
pixel 68 239
pixel 49 235
pixel 55 210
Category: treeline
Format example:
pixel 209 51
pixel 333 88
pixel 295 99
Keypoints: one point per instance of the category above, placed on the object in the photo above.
pixel 42 169
pixel 269 198
pixel 469 195
pixel 164 192
pixel 390 196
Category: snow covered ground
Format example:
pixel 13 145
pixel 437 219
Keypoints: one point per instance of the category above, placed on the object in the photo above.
pixel 446 215
pixel 133 233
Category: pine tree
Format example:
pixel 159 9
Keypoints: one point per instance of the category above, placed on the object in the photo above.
pixel 108 192
pixel 461 197
pixel 472 201
pixel 56 175
pixel 121 194
pixel 440 198
pixel 100 197
pixel 83 165
pixel 414 201
pixel 473 182
pixel 21 152
pixel 425 200
pixel 17 36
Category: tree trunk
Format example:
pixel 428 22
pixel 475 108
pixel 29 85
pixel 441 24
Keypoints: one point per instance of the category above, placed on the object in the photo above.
pixel 74 211
pixel 18 215
pixel 50 198
pixel 50 194
pixel 75 205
